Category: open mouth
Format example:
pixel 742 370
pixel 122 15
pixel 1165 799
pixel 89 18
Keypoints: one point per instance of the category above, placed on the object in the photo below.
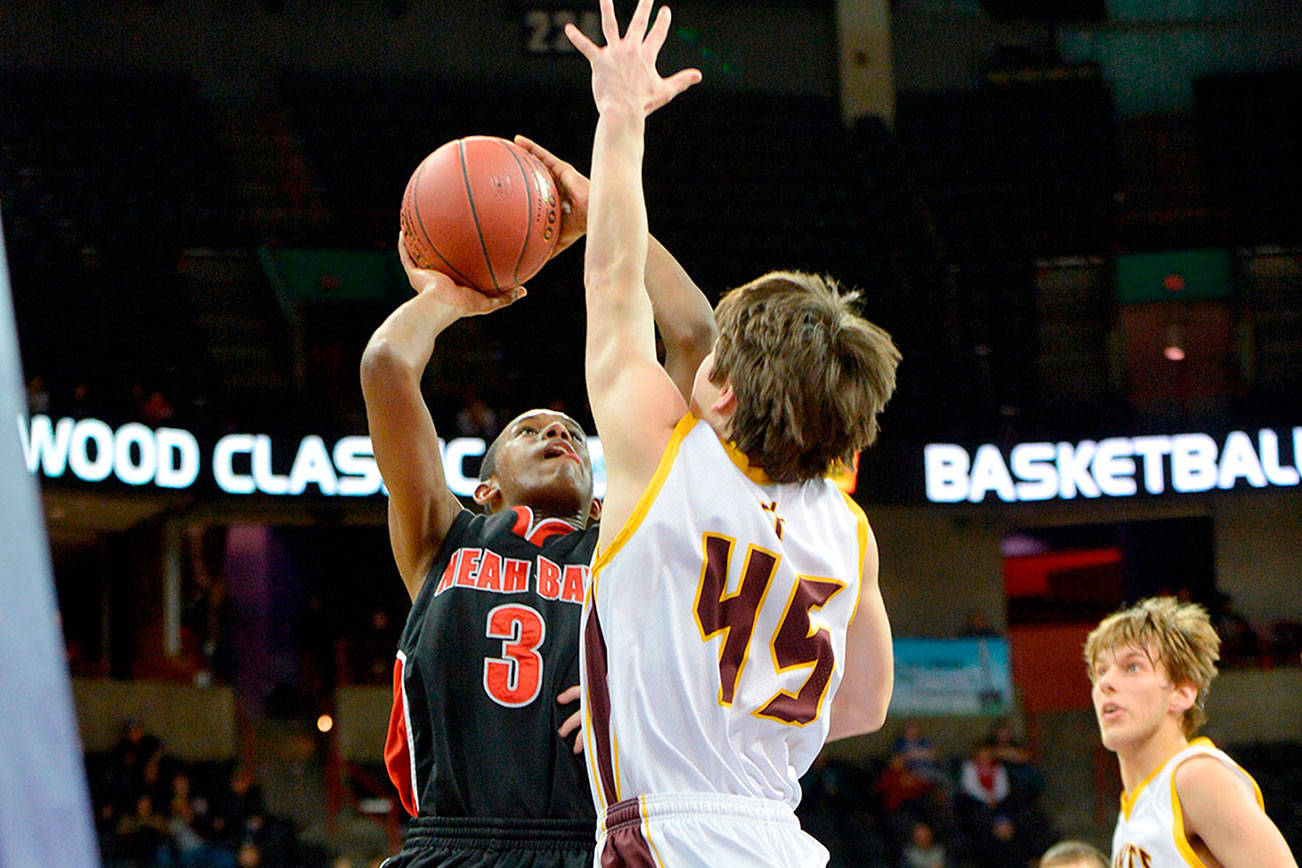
pixel 561 449
pixel 1109 711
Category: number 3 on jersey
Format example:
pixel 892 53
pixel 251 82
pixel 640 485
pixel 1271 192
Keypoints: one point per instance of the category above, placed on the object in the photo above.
pixel 514 679
pixel 795 645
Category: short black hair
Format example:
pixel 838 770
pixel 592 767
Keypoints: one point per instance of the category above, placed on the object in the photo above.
pixel 488 464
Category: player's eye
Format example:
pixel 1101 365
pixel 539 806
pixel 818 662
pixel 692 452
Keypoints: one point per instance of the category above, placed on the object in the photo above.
pixel 526 429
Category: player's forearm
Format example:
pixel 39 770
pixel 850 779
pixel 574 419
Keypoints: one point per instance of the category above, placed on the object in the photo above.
pixel 682 313
pixel 616 259
pixel 404 342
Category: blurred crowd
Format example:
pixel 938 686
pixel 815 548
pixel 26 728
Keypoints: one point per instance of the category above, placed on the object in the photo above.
pixel 919 809
pixel 153 810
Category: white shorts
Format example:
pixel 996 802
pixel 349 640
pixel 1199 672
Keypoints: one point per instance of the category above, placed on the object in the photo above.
pixel 704 830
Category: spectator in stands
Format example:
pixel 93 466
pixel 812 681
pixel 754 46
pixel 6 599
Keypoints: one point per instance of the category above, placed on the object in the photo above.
pixel 984 778
pixel 238 810
pixel 126 764
pixel 923 851
pixel 918 753
pixel 1024 778
pixel 140 833
pixel 998 833
pixel 1073 854
pixel 903 790
pixel 187 846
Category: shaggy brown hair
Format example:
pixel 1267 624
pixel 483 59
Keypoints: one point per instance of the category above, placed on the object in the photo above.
pixel 1178 634
pixel 809 374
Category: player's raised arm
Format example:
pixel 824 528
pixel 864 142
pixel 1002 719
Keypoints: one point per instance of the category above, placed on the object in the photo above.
pixel 421 507
pixel 865 692
pixel 682 313
pixel 634 403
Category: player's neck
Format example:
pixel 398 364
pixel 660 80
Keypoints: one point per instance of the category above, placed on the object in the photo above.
pixel 1140 761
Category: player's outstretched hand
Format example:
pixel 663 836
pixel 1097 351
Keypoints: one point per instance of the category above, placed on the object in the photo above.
pixel 573 723
pixel 466 300
pixel 624 70
pixel 573 186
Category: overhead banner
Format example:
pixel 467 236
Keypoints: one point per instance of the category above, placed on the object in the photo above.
pixel 1114 467
pixel 938 677
pixel 91 450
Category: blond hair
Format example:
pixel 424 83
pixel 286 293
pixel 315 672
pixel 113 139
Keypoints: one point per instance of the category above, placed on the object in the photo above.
pixel 810 375
pixel 1073 854
pixel 1178 634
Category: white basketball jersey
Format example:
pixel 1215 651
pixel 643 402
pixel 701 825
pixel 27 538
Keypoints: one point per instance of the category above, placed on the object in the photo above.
pixel 714 628
pixel 1150 828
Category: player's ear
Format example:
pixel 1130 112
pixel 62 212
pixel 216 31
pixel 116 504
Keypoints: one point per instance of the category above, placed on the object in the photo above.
pixel 1183 697
pixel 487 494
pixel 726 404
pixel 594 511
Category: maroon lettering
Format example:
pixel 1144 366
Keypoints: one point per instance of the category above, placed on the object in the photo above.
pixel 796 646
pixel 732 614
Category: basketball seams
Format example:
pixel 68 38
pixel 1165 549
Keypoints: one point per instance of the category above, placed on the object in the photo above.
pixel 528 191
pixel 474 214
pixel 412 187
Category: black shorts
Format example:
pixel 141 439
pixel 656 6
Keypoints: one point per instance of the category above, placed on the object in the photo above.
pixel 475 842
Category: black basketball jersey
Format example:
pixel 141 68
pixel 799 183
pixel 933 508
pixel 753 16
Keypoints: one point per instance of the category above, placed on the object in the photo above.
pixel 492 639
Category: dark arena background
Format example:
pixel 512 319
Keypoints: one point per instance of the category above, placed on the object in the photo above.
pixel 1081 222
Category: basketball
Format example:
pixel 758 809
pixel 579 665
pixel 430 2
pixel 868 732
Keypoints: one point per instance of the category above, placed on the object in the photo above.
pixel 483 211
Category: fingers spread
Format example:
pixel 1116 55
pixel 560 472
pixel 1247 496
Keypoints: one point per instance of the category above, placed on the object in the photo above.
pixel 655 40
pixel 641 17
pixel 609 23
pixel 581 43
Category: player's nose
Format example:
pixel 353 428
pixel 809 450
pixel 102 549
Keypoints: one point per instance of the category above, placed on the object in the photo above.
pixel 557 429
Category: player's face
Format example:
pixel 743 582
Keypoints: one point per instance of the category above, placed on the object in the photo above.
pixel 1133 697
pixel 543 462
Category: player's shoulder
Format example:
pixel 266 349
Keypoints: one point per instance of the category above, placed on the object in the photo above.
pixel 1205 778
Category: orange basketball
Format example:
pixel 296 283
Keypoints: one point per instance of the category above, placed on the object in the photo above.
pixel 483 211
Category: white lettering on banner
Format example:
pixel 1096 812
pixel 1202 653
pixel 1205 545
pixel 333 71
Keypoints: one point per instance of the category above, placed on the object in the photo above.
pixel 223 469
pixel 91 468
pixel 178 458
pixel 455 454
pixel 137 455
pixel 1193 462
pixel 92 451
pixel 1275 474
pixel 359 475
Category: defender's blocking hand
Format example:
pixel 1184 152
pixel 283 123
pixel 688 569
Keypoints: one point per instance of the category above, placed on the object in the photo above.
pixel 624 69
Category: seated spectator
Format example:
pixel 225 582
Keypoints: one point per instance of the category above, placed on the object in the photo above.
pixel 1073 854
pixel 984 778
pixel 140 833
pixel 923 851
pixel 1006 746
pixel 901 789
pixel 918 753
pixel 187 846
pixel 907 799
pixel 1024 778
